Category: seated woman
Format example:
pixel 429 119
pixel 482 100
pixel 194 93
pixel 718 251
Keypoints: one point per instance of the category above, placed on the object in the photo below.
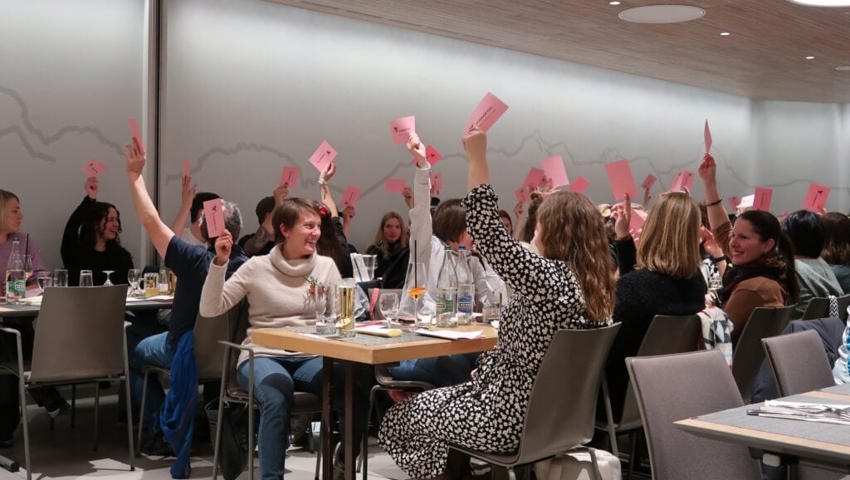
pixel 836 246
pixel 11 217
pixel 762 272
pixel 391 251
pixel 567 286
pixel 814 275
pixel 667 281
pixel 278 286
pixel 91 242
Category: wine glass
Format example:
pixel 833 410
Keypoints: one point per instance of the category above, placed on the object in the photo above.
pixel 108 282
pixel 134 276
pixel 415 284
pixel 27 267
pixel 389 308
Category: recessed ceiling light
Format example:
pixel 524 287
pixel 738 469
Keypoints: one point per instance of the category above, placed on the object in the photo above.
pixel 843 68
pixel 810 57
pixel 822 3
pixel 661 14
pixel 725 34
pixel 614 3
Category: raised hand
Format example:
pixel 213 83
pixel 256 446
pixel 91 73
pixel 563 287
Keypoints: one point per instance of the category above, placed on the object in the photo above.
pixel 417 148
pixel 518 209
pixel 91 187
pixel 281 192
pixel 407 193
pixel 348 213
pixel 328 173
pixel 223 246
pixel 187 193
pixel 708 170
pixel 475 144
pixel 622 217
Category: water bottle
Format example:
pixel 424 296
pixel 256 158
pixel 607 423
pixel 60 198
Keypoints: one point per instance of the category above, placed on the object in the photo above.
pixel 446 290
pixel 16 280
pixel 465 288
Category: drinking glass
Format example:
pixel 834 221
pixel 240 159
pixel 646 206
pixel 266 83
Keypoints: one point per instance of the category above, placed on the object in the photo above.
pixel 134 276
pixel 369 263
pixel 151 287
pixel 346 294
pixel 325 305
pixel 86 278
pixel 389 309
pixel 44 280
pixel 108 282
pixel 60 277
pixel 27 266
pixel 415 282
pixel 163 281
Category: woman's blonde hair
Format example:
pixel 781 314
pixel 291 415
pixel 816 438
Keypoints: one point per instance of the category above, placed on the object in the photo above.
pixel 669 242
pixel 572 230
pixel 5 197
pixel 382 243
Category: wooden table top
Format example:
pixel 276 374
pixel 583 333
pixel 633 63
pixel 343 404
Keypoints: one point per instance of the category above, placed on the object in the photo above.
pixel 419 347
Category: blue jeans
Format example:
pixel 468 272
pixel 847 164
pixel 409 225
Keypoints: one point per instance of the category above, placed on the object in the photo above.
pixel 438 371
pixel 275 381
pixel 154 350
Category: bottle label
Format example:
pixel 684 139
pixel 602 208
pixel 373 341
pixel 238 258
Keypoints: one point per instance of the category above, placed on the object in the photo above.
pixel 464 304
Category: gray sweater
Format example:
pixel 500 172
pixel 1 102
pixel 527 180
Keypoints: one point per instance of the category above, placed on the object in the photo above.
pixel 816 280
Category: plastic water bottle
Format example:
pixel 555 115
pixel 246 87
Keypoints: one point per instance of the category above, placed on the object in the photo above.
pixel 447 291
pixel 465 288
pixel 16 280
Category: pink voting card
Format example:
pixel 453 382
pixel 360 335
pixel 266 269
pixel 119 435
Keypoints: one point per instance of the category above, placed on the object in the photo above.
pixel 734 202
pixel 351 196
pixel 649 181
pixel 323 156
pixel 289 176
pixel 637 221
pixel 707 135
pixel 373 299
pixel 816 197
pixel 579 185
pixel 621 179
pixel 186 168
pixel 93 168
pixel 555 170
pixel 137 136
pixel 436 182
pixel 521 194
pixel 395 185
pixel 486 113
pixel 432 155
pixel 762 198
pixel 402 128
pixel 534 178
pixel 214 217
pixel 683 181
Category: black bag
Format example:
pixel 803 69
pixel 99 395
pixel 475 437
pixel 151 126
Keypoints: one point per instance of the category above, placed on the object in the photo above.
pixel 233 452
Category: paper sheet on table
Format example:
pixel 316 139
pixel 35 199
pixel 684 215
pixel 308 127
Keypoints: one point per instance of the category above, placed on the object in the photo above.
pixel 451 334
pixel 378 330
pixel 808 412
pixel 32 300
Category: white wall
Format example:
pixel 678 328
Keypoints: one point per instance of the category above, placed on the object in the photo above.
pixel 251 86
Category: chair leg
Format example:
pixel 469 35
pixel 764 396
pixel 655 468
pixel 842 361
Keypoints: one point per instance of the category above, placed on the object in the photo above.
pixel 609 416
pixel 251 418
pixel 363 461
pixel 96 414
pixel 511 473
pixel 25 421
pixel 142 414
pixel 318 457
pixel 633 439
pixel 594 463
pixel 73 406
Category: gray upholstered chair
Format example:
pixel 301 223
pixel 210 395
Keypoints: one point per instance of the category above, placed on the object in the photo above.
pixel 819 308
pixel 749 355
pixel 561 408
pixel 666 334
pixel 79 338
pixel 799 362
pixel 669 388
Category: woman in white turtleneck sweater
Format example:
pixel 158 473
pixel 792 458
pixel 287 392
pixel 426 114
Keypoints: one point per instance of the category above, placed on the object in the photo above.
pixel 276 286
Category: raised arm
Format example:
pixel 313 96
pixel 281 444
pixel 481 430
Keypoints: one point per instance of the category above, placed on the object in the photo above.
pixel 718 220
pixel 71 236
pixel 325 191
pixel 217 296
pixel 187 194
pixel 157 230
pixel 420 213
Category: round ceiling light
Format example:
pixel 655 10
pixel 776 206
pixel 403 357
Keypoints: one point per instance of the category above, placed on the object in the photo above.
pixel 822 3
pixel 843 68
pixel 661 14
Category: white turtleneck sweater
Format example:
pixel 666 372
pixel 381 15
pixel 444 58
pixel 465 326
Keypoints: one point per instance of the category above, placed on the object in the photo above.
pixel 277 290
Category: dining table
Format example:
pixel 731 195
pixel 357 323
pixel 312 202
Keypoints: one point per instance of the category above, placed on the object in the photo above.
pixel 370 350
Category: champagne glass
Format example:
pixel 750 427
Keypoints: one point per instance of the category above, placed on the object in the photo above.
pixel 389 308
pixel 415 282
pixel 27 267
pixel 108 282
pixel 134 276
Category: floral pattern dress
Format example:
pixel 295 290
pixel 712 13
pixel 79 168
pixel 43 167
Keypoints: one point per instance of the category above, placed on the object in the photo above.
pixel 487 413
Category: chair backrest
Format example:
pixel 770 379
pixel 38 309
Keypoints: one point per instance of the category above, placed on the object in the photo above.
pixel 561 407
pixel 799 362
pixel 666 334
pixel 208 332
pixel 674 387
pixel 749 354
pixel 79 334
pixel 819 308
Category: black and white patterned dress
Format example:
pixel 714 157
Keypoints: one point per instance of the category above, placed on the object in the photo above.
pixel 487 413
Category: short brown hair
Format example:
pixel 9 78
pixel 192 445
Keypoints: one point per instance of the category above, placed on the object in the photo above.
pixel 836 246
pixel 450 220
pixel 572 230
pixel 5 197
pixel 288 212
pixel 669 241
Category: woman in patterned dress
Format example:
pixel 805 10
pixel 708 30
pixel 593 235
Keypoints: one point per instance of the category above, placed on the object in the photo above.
pixel 567 286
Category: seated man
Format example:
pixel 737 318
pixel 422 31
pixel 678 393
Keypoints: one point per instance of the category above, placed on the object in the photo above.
pixel 190 263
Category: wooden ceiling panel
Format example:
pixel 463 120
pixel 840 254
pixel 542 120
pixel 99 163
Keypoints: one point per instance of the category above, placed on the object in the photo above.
pixel 762 59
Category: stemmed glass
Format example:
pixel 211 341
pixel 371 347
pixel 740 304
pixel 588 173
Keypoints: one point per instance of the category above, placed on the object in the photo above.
pixel 108 282
pixel 389 308
pixel 134 276
pixel 415 283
